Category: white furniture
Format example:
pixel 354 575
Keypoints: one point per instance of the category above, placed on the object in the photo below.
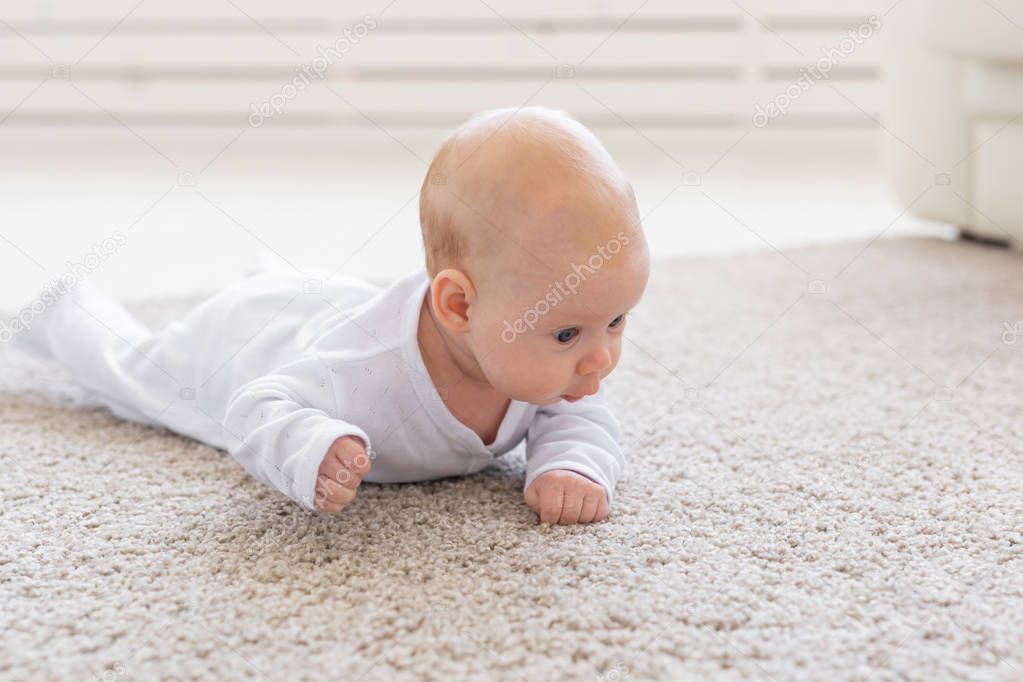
pixel 954 112
pixel 659 64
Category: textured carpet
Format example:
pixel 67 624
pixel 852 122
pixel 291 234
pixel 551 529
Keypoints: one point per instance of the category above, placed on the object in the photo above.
pixel 826 482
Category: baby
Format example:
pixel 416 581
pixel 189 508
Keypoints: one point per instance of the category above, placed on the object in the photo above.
pixel 534 255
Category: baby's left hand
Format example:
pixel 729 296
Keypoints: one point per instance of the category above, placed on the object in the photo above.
pixel 565 497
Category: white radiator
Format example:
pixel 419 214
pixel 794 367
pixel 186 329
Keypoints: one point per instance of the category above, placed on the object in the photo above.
pixel 615 63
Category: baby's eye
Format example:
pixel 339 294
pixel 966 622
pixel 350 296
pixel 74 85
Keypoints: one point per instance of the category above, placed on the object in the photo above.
pixel 566 335
pixel 617 321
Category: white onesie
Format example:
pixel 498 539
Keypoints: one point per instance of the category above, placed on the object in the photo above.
pixel 277 366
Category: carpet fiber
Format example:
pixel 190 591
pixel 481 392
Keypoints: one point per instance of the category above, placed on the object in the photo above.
pixel 826 482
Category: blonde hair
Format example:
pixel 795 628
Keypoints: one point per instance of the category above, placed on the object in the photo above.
pixel 447 242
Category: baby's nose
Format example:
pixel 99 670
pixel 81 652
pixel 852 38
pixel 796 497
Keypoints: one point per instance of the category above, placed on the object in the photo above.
pixel 596 361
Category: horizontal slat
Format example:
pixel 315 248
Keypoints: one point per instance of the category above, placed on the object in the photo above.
pixel 442 120
pixel 539 27
pixel 839 98
pixel 135 77
pixel 238 99
pixel 239 24
pixel 463 74
pixel 808 48
pixel 379 50
pixel 819 8
pixel 267 10
pixel 202 96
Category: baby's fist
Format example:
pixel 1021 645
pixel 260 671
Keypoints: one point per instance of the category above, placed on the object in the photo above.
pixel 340 474
pixel 565 497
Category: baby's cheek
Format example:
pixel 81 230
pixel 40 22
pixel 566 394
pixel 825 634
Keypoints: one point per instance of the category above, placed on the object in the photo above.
pixel 520 366
pixel 504 363
pixel 519 372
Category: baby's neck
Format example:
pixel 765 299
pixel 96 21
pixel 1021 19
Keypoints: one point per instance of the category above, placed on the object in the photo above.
pixel 447 360
pixel 456 375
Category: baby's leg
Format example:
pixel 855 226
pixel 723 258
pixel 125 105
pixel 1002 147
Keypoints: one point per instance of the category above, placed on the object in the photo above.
pixel 108 351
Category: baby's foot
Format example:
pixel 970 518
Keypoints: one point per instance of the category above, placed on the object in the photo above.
pixel 31 334
pixel 340 474
pixel 39 319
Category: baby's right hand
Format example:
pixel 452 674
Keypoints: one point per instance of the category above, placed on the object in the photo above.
pixel 340 474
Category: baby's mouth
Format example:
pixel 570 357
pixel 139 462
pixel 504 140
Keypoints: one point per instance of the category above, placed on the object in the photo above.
pixel 570 398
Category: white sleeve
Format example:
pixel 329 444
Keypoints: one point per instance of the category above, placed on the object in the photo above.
pixel 279 427
pixel 582 436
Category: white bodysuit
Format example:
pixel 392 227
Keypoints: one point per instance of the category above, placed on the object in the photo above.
pixel 275 367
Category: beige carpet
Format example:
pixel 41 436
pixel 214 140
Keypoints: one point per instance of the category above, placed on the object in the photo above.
pixel 822 486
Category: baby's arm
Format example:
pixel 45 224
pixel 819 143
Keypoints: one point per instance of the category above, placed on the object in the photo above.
pixel 573 460
pixel 281 428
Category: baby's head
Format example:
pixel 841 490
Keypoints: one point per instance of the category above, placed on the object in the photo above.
pixel 535 252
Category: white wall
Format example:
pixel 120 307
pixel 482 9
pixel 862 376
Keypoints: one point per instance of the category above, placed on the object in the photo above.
pixel 137 117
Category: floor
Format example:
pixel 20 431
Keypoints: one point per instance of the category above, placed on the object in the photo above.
pixel 825 482
pixel 183 210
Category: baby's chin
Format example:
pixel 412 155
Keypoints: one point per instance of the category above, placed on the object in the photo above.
pixel 510 386
pixel 545 401
pixel 533 398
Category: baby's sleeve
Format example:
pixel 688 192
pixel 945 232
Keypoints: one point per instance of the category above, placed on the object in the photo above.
pixel 582 437
pixel 279 427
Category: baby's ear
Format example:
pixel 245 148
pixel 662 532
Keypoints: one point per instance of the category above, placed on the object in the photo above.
pixel 451 293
